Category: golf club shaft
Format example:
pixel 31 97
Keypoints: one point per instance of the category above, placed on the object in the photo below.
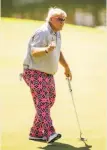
pixel 69 84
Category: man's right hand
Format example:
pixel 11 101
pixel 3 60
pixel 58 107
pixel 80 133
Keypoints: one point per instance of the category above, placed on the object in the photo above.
pixel 51 47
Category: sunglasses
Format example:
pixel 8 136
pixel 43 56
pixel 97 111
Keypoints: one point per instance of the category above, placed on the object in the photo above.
pixel 60 19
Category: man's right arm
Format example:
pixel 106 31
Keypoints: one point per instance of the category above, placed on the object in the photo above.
pixel 40 51
pixel 37 45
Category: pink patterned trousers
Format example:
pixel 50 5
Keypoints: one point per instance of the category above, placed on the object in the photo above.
pixel 42 88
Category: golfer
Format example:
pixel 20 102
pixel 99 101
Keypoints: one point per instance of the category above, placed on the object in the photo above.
pixel 40 65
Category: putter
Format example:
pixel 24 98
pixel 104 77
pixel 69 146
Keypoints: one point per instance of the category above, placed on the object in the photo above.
pixel 81 137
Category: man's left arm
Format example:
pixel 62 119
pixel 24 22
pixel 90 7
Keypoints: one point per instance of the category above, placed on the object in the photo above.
pixel 65 65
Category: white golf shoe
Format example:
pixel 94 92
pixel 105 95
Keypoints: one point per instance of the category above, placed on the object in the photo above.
pixel 54 137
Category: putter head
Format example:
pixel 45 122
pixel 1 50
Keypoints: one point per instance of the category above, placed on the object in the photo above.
pixel 83 139
pixel 87 146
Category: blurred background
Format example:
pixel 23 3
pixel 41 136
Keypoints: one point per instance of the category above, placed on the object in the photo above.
pixel 90 13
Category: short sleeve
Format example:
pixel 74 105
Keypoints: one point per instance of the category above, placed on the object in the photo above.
pixel 38 40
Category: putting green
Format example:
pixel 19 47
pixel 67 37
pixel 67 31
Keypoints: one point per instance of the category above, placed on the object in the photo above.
pixel 84 49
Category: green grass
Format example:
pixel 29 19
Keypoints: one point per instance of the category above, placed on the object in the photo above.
pixel 85 51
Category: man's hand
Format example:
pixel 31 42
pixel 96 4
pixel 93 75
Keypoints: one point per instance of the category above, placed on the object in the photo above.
pixel 68 73
pixel 51 47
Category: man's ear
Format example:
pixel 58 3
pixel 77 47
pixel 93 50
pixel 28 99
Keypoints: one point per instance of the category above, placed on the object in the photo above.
pixel 50 19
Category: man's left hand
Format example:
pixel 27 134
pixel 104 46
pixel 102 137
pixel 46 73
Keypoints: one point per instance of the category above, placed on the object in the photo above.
pixel 68 73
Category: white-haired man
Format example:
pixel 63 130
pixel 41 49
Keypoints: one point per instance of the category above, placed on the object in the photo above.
pixel 40 65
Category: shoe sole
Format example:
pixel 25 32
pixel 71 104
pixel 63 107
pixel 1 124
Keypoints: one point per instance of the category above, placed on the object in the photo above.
pixel 38 140
pixel 56 138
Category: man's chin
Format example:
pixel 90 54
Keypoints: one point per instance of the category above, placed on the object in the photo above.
pixel 60 28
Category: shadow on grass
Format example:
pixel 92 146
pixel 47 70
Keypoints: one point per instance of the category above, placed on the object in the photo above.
pixel 62 146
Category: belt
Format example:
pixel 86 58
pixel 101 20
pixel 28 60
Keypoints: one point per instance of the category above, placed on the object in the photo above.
pixel 27 67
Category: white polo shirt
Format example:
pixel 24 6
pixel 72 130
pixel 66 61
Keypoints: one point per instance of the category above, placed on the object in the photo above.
pixel 47 63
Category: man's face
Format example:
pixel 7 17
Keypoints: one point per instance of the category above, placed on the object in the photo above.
pixel 58 22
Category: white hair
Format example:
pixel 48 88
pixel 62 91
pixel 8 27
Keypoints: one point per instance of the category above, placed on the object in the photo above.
pixel 55 11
